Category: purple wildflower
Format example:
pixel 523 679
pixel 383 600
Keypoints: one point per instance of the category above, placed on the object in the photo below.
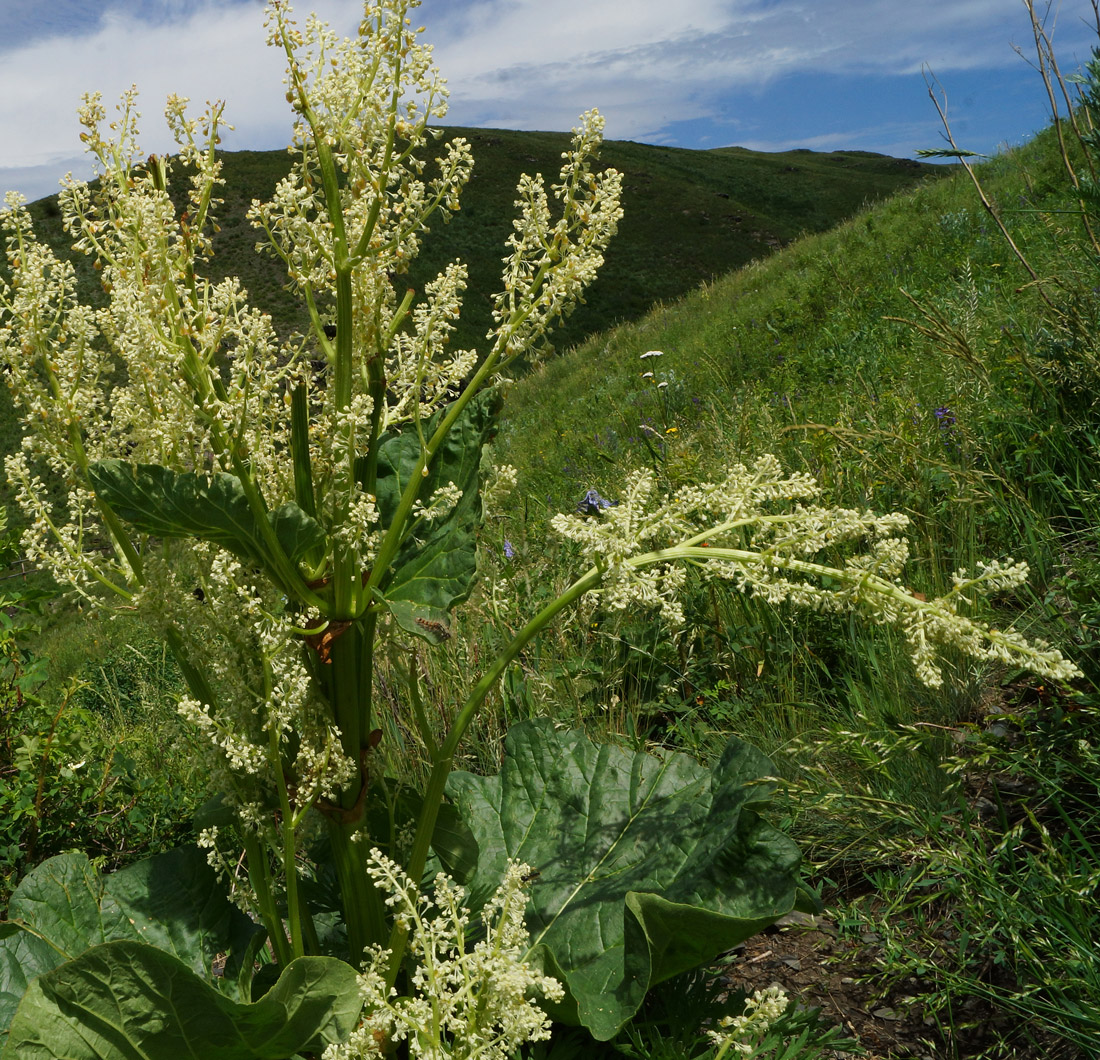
pixel 591 503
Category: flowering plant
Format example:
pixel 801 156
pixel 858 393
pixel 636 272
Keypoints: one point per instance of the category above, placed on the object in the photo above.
pixel 286 526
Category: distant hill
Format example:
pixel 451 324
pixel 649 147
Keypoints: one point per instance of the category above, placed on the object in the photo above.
pixel 689 216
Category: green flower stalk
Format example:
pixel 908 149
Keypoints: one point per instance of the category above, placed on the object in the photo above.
pixel 267 520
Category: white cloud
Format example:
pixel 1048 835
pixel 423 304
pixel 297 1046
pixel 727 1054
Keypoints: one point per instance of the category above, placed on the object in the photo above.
pixel 215 52
pixel 761 38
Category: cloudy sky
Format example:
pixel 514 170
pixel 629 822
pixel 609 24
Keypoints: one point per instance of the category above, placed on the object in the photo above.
pixel 764 74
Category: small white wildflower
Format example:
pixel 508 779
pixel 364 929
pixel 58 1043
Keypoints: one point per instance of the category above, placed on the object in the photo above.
pixel 742 1033
pixel 501 482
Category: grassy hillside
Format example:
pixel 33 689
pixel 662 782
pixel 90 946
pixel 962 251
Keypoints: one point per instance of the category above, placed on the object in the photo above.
pixel 907 362
pixel 910 362
pixel 689 216
pixel 862 332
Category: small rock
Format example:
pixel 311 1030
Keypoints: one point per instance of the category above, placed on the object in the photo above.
pixel 799 920
pixel 793 962
pixel 886 1014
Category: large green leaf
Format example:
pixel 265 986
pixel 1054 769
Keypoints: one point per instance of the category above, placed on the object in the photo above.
pixel 174 902
pixel 436 565
pixel 648 865
pixel 130 1001
pixel 165 503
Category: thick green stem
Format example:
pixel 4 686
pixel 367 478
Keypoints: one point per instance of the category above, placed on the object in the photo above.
pixel 348 711
pixel 364 907
pixel 293 899
pixel 352 669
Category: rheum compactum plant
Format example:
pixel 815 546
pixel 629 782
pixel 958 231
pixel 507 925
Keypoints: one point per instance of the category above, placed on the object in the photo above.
pixel 288 512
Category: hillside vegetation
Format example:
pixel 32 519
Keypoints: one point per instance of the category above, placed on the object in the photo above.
pixel 910 360
pixel 689 216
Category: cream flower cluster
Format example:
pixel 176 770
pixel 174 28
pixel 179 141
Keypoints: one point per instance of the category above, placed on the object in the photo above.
pixel 742 1034
pixel 568 251
pixel 264 721
pixel 468 1000
pixel 640 526
pixel 342 92
pixel 754 528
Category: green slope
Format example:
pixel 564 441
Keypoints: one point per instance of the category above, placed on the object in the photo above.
pixel 807 354
pixel 689 216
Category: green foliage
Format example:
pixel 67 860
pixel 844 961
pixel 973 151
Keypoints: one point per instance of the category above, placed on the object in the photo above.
pixel 73 774
pixel 435 569
pixel 1001 906
pixel 98 1006
pixel 86 959
pixel 173 901
pixel 168 504
pixel 615 907
pixel 175 409
pixel 911 361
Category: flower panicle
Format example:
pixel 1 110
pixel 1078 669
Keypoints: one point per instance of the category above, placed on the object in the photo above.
pixel 759 529
pixel 467 999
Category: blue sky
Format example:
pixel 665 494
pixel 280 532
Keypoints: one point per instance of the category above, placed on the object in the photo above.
pixel 765 74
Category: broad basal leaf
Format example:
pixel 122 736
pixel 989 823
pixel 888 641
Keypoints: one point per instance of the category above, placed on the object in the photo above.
pixel 437 562
pixel 165 503
pixel 648 865
pixel 174 902
pixel 130 1001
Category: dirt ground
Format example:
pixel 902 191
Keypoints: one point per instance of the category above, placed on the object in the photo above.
pixel 811 961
